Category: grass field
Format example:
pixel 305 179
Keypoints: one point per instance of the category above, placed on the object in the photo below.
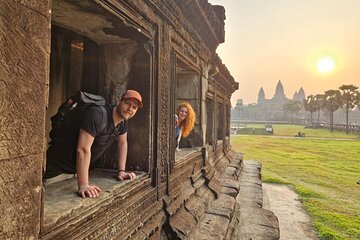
pixel 291 130
pixel 322 171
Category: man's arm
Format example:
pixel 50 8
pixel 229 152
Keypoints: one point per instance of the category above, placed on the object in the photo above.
pixel 83 156
pixel 121 156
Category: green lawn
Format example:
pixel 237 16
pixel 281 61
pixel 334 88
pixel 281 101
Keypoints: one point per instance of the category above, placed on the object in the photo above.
pixel 324 173
pixel 291 130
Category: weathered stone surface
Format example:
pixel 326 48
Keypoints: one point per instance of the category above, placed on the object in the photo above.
pixel 24 54
pixel 182 223
pixel 231 183
pixel 229 218
pixel 250 196
pixel 223 206
pixel 172 206
pixel 184 191
pixel 231 155
pixel 237 160
pixel 199 182
pixel 118 203
pixel 41 7
pixel 116 62
pixel 24 73
pixel 250 220
pixel 222 164
pixel 153 226
pixel 183 170
pixel 230 171
pixel 215 185
pixel 20 196
pixel 187 190
pixel 205 195
pixel 124 210
pixel 196 207
pixel 212 227
pixel 197 216
pixel 257 224
pixel 139 235
pixel 250 185
pixel 229 191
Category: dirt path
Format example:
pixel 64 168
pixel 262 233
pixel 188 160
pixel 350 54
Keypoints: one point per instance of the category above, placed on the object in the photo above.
pixel 294 222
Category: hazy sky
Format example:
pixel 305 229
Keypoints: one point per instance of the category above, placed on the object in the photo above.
pixel 271 40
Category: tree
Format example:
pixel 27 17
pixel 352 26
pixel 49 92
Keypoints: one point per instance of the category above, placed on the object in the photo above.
pixel 319 103
pixel 358 100
pixel 349 99
pixel 310 106
pixel 332 102
pixel 297 106
pixel 292 107
pixel 238 107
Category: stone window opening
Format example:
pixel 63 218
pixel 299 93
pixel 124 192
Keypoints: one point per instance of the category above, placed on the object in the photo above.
pixel 228 118
pixel 210 114
pixel 187 89
pixel 106 63
pixel 221 121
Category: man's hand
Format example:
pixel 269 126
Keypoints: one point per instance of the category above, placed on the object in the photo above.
pixel 89 191
pixel 122 175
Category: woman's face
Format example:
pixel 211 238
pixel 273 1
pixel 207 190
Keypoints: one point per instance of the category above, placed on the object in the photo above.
pixel 183 113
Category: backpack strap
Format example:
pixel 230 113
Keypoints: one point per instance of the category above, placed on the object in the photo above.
pixel 104 118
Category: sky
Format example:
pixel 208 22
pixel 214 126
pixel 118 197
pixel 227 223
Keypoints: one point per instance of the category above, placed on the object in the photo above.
pixel 314 44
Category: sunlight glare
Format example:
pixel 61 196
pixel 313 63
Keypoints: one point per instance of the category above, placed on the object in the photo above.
pixel 325 65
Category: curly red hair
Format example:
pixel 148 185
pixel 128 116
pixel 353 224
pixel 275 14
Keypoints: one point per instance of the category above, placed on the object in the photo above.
pixel 187 125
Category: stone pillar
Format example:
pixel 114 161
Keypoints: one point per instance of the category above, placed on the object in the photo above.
pixel 204 113
pixel 24 73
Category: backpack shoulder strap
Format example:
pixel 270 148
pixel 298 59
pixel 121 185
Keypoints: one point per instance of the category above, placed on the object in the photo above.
pixel 104 118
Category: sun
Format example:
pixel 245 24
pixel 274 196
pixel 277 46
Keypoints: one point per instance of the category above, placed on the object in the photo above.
pixel 325 64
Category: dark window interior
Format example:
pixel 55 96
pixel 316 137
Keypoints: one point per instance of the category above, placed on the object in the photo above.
pixel 210 121
pixel 221 121
pixel 71 58
pixel 228 115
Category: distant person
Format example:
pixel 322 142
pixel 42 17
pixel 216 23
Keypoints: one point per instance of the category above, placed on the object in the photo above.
pixel 94 139
pixel 184 122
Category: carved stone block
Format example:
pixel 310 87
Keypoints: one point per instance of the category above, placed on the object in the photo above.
pixel 183 223
pixel 212 229
pixel 196 207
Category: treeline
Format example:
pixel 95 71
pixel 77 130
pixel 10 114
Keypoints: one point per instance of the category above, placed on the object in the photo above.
pixel 347 96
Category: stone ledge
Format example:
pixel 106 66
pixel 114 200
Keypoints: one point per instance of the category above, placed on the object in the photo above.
pixel 187 153
pixel 257 224
pixel 250 220
pixel 238 214
pixel 62 205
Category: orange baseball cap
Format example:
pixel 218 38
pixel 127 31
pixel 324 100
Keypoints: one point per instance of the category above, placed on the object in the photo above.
pixel 132 94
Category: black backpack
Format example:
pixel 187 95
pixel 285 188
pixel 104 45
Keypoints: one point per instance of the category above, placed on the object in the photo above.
pixel 65 124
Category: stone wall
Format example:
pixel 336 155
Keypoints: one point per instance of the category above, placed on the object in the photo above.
pixel 24 70
pixel 148 35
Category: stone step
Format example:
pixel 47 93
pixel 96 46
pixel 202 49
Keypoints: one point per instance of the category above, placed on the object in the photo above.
pixel 238 212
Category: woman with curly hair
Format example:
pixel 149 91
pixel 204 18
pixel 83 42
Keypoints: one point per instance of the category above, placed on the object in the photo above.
pixel 184 122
